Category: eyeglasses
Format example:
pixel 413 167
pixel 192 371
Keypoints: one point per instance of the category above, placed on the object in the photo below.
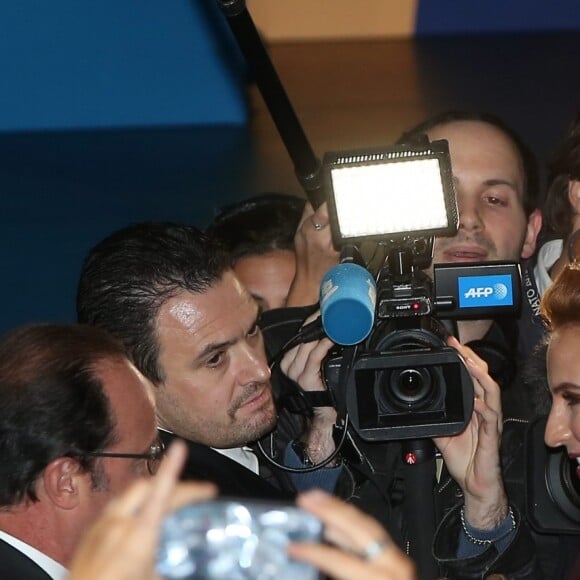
pixel 153 457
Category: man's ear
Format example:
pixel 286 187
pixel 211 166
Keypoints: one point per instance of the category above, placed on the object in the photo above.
pixel 532 230
pixel 62 482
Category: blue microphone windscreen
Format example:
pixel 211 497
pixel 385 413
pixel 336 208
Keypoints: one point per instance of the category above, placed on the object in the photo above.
pixel 347 322
pixel 347 303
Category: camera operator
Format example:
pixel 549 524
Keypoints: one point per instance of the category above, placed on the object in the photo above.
pixel 495 182
pixel 484 533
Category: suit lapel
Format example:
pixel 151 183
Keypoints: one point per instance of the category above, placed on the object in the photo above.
pixel 14 565
pixel 233 479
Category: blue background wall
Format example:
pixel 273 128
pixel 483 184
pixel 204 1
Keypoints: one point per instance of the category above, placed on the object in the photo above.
pixel 111 112
pixel 62 192
pixel 112 63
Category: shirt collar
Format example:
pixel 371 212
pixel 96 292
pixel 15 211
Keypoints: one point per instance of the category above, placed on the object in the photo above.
pixel 242 455
pixel 55 570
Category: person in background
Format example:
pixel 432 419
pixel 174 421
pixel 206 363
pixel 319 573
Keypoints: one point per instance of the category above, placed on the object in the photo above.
pixel 315 255
pixel 495 178
pixel 258 232
pixel 76 427
pixel 274 249
pixel 561 211
pixel 561 208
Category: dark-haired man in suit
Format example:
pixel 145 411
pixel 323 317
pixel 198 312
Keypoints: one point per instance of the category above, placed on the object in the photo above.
pixel 169 293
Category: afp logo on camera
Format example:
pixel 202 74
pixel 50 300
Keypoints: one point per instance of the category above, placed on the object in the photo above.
pixel 485 291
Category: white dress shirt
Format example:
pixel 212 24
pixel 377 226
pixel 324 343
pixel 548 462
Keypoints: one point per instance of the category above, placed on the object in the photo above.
pixel 242 455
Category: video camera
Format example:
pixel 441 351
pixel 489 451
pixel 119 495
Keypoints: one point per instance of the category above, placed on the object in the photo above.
pixel 394 375
pixel 552 486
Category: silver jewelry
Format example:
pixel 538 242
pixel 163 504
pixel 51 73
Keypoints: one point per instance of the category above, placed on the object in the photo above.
pixel 479 542
pixel 317 226
pixel 375 548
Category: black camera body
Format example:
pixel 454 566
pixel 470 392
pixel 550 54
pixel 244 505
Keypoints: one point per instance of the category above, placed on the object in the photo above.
pixel 403 381
pixel 552 487
pixel 411 393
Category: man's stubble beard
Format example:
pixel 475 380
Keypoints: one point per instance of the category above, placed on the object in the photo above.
pixel 263 421
pixel 175 417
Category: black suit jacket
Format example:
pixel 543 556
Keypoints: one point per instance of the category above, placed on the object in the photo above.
pixel 14 565
pixel 232 479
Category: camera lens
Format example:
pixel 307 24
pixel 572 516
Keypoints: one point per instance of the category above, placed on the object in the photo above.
pixel 410 385
pixel 563 486
pixel 408 388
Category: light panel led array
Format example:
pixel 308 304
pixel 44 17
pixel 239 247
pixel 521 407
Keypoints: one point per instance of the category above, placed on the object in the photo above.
pixel 391 193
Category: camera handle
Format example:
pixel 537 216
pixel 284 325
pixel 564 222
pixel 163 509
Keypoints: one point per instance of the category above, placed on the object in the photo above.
pixel 418 456
pixel 306 165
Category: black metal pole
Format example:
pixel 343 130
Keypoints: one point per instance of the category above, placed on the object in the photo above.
pixel 306 164
pixel 419 508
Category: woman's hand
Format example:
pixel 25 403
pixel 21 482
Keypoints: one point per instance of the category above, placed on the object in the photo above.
pixel 362 548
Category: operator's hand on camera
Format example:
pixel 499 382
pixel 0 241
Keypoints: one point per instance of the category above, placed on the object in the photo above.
pixel 122 543
pixel 315 255
pixel 473 457
pixel 303 365
pixel 361 550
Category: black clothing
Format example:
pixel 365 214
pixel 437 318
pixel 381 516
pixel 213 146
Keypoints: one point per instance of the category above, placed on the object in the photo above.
pixel 516 561
pixel 232 479
pixel 14 565
pixel 378 486
pixel 519 559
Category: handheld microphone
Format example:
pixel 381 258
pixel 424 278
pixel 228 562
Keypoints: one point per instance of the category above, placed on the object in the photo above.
pixel 348 294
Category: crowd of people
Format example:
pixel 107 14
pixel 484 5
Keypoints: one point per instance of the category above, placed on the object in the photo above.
pixel 174 347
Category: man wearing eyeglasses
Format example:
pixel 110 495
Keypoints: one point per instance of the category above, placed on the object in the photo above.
pixel 76 427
